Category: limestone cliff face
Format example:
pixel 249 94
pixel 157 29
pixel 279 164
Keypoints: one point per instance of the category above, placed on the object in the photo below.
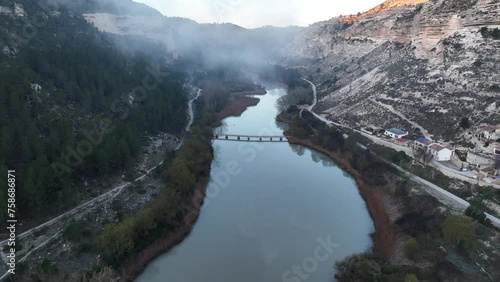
pixel 406 62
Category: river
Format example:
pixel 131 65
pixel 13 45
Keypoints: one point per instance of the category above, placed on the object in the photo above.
pixel 273 212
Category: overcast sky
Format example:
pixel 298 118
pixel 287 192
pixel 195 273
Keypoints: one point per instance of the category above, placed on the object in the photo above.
pixel 256 13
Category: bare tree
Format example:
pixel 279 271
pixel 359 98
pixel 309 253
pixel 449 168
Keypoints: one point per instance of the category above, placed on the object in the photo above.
pixel 216 95
pixel 295 96
pixel 422 155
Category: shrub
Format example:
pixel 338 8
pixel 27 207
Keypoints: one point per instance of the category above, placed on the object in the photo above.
pixel 73 231
pixel 478 215
pixel 495 88
pixel 400 158
pixel 47 266
pixel 411 278
pixel 358 268
pixel 411 247
pixel 459 229
pixel 465 123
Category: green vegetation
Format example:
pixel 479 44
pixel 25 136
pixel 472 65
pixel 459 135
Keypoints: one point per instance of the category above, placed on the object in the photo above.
pixel 48 270
pixel 288 76
pixel 493 33
pixel 166 212
pixel 296 96
pixel 465 123
pixel 368 267
pixel 73 231
pixel 411 247
pixel 298 127
pixel 411 278
pixel 477 215
pixel 400 158
pixel 446 244
pixel 82 105
pixel 358 268
pixel 479 196
pixel 460 229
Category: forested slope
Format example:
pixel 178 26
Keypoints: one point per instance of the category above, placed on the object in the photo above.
pixel 62 81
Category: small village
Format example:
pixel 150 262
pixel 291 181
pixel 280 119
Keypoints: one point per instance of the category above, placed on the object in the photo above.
pixel 477 162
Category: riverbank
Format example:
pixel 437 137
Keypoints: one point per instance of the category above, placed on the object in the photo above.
pixel 168 240
pixel 238 103
pixel 384 237
pixel 409 223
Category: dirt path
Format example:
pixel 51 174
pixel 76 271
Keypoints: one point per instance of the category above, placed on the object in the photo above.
pixel 392 110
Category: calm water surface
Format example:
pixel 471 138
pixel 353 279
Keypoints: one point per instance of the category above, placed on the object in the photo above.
pixel 274 212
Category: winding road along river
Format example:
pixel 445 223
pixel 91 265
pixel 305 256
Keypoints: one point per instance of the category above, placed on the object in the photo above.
pixel 274 212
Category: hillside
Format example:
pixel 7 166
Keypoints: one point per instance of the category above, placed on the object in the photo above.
pixel 211 44
pixel 62 81
pixel 387 5
pixel 431 63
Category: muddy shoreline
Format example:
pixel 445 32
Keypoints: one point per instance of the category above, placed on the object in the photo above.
pixel 384 237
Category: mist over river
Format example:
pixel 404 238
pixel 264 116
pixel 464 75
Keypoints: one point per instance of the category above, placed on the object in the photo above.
pixel 273 212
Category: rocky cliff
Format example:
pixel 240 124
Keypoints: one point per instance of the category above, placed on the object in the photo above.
pixel 406 63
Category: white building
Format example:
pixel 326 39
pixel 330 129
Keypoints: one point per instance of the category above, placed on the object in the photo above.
pixel 395 133
pixel 440 153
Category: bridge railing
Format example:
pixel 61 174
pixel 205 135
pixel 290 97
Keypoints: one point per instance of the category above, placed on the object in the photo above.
pixel 250 138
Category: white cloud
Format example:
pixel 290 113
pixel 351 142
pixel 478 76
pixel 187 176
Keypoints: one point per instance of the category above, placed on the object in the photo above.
pixel 255 13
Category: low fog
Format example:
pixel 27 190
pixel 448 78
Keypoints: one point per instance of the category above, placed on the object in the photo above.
pixel 136 27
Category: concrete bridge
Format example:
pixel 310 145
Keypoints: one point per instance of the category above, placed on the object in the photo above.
pixel 250 138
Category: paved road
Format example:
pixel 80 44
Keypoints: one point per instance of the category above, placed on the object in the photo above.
pixel 315 101
pixel 440 193
pixel 444 169
pixel 315 95
pixel 433 189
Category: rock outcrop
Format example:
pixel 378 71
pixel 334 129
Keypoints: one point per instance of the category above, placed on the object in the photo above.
pixel 405 63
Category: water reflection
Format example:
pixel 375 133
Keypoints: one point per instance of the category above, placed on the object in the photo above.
pixel 266 219
pixel 299 150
